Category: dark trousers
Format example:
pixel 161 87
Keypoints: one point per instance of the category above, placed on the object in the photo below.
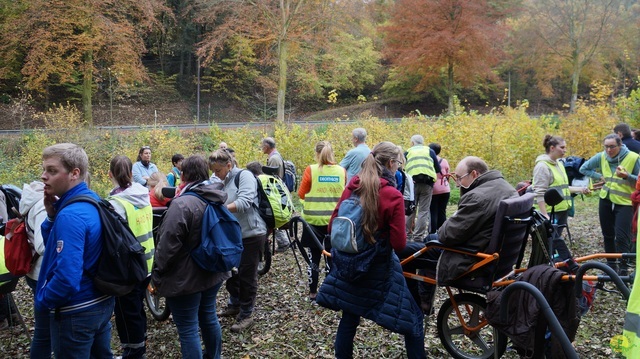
pixel 243 285
pixel 131 321
pixel 438 210
pixel 313 272
pixel 426 264
pixel 615 222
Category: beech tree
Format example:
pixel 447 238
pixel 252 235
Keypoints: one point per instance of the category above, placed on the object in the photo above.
pixel 66 42
pixel 566 35
pixel 271 25
pixel 457 41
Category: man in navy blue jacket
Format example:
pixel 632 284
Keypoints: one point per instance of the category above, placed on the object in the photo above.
pixel 79 314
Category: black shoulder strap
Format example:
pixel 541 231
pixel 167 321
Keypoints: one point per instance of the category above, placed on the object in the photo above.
pixel 236 179
pixel 81 198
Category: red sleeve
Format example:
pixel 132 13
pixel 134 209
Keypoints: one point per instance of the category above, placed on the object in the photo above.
pixel 391 210
pixel 305 184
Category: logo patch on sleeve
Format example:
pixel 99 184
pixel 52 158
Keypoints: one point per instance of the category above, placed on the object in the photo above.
pixel 59 246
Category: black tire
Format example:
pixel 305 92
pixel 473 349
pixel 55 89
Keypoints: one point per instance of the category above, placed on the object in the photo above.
pixel 265 259
pixel 479 344
pixel 157 306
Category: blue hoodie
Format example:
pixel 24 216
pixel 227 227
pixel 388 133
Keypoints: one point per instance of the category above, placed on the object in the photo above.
pixel 73 246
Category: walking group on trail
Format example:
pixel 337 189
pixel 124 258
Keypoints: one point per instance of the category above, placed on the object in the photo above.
pixel 376 206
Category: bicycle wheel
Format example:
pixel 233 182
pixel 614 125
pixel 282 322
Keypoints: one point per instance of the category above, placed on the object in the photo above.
pixel 156 304
pixel 476 339
pixel 265 259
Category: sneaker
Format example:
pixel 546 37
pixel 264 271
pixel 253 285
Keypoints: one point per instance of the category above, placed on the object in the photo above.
pixel 282 249
pixel 242 324
pixel 312 296
pixel 229 311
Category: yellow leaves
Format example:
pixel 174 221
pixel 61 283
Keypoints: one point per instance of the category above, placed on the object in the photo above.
pixel 508 139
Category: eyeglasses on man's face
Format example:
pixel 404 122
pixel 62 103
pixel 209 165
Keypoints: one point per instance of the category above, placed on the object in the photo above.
pixel 459 178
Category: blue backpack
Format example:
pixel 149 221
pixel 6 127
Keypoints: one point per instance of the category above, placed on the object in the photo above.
pixel 346 227
pixel 220 248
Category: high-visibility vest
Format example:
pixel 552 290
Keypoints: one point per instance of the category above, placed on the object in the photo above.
pixel 140 221
pixel 560 182
pixel 629 343
pixel 419 161
pixel 618 189
pixel 5 276
pixel 176 177
pixel 327 184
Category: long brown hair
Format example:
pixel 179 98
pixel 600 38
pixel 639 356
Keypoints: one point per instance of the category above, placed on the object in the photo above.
pixel 120 168
pixel 372 168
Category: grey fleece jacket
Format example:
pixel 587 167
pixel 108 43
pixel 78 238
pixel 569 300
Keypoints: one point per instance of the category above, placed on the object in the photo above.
pixel 246 200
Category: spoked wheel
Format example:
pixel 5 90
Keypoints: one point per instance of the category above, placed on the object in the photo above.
pixel 157 305
pixel 472 337
pixel 265 259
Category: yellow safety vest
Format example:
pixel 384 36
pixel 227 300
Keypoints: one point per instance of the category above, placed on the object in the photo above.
pixel 327 184
pixel 560 182
pixel 140 221
pixel 629 343
pixel 618 189
pixel 5 276
pixel 419 161
pixel 176 178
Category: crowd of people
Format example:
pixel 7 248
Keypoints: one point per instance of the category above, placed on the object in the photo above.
pixel 403 195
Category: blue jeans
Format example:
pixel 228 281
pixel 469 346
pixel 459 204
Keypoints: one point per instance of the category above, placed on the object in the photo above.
pixel 193 310
pixel 347 331
pixel 85 334
pixel 41 342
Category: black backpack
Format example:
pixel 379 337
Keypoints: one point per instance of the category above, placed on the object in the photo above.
pixel 122 264
pixel 572 166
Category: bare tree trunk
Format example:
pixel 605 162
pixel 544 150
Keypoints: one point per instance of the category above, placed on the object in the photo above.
pixel 87 81
pixel 450 107
pixel 283 48
pixel 575 80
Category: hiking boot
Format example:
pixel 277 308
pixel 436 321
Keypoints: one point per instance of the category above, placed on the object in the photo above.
pixel 242 324
pixel 229 311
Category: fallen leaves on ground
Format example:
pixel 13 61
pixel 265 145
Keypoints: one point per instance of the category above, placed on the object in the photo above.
pixel 289 325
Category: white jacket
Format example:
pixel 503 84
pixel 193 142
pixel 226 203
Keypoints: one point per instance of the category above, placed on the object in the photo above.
pixel 32 208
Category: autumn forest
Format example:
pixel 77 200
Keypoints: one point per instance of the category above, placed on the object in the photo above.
pixel 278 58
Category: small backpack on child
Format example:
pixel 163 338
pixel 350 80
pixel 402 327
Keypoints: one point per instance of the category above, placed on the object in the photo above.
pixel 19 254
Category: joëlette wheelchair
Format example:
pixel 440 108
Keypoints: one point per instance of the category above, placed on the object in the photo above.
pixel 462 327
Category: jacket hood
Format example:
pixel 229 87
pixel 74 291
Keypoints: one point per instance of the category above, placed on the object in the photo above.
pixel 31 194
pixel 490 175
pixel 545 157
pixel 137 195
pixel 212 192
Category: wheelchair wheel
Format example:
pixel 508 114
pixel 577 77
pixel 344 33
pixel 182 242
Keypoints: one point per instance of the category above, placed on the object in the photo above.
pixel 156 304
pixel 478 340
pixel 264 264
